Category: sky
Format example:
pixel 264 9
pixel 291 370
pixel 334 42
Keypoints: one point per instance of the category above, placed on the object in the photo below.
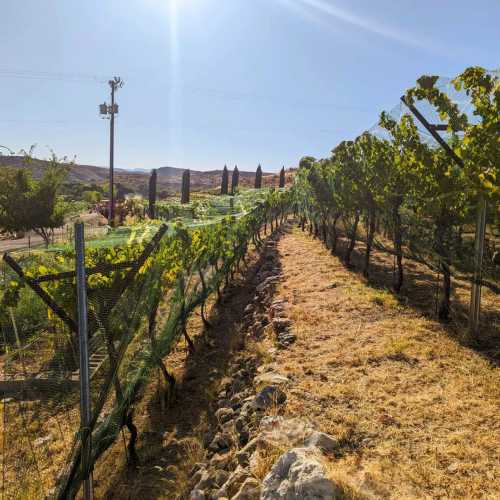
pixel 214 82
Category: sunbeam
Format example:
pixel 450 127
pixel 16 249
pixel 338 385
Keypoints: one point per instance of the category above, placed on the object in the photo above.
pixel 366 24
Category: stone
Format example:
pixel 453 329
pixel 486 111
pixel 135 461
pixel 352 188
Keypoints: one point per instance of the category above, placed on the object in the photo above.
pixel 257 328
pixel 208 438
pixel 247 409
pixel 225 383
pixel 249 490
pixel 270 422
pixel 298 474
pixel 284 433
pixel 243 437
pixel 281 325
pixel 323 441
pixel 236 479
pixel 242 458
pixel 220 461
pixel 205 482
pixel 221 442
pixel 271 378
pixel 266 284
pixel 197 495
pixel 196 476
pixel 196 467
pixel 240 424
pixel 277 309
pixel 248 309
pixel 286 339
pixel 221 476
pixel 269 396
pixel 223 415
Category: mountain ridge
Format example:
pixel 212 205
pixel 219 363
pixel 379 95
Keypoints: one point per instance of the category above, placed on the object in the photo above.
pixel 169 178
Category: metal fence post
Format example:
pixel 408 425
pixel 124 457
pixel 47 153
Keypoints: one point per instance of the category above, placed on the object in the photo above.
pixel 475 297
pixel 81 285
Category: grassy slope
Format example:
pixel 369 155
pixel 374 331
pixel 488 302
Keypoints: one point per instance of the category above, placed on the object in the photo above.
pixel 418 412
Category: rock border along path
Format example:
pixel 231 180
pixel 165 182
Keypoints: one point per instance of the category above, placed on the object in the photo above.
pixel 252 438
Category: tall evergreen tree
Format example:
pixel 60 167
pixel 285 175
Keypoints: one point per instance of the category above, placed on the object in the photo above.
pixel 152 194
pixel 282 178
pixel 235 180
pixel 258 177
pixel 186 176
pixel 225 181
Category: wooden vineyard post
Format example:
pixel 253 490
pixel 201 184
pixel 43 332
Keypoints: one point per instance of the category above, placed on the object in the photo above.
pixel 185 187
pixel 282 178
pixel 152 194
pixel 225 181
pixel 258 177
pixel 86 436
pixel 475 297
pixel 235 180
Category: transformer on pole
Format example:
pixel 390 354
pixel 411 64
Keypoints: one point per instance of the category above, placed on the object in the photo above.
pixel 110 111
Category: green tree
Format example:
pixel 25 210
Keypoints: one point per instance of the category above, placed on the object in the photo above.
pixel 91 197
pixel 26 204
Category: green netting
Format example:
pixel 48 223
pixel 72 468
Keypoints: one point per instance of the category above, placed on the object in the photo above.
pixel 136 315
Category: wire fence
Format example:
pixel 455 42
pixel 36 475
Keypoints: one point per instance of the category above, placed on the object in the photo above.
pixel 142 286
pixel 437 280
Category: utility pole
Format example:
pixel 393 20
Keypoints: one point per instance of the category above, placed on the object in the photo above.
pixel 110 111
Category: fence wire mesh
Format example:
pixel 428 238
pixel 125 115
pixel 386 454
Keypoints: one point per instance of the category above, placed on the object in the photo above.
pixel 143 283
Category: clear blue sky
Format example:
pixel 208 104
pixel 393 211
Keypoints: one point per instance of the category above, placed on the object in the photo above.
pixel 210 82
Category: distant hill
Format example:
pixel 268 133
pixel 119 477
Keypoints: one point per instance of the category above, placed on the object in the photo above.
pixel 169 178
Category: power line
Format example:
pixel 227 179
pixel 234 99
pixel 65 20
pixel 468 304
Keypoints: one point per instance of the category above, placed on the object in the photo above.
pixel 66 77
pixel 218 93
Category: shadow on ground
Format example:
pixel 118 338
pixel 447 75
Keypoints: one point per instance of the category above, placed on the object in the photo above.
pixel 421 291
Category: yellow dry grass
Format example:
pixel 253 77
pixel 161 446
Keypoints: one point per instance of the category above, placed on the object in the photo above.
pixel 416 411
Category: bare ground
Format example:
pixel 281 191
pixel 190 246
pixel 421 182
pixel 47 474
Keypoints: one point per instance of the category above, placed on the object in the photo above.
pixel 417 411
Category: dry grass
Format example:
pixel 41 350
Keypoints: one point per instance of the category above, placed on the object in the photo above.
pixel 417 411
pixel 264 459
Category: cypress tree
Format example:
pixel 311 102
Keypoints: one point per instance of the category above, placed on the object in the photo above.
pixel 282 178
pixel 120 195
pixel 185 187
pixel 235 180
pixel 152 194
pixel 258 177
pixel 225 181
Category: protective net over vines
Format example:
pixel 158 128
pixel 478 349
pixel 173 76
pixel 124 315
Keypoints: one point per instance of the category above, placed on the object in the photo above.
pixel 415 204
pixel 143 282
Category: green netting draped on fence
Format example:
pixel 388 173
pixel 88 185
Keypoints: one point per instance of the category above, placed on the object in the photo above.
pixel 142 285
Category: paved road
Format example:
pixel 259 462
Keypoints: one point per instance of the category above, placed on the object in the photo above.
pixel 60 234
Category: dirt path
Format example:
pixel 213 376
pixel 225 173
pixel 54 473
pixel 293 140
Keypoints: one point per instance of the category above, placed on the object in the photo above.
pixel 174 437
pixel 417 412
